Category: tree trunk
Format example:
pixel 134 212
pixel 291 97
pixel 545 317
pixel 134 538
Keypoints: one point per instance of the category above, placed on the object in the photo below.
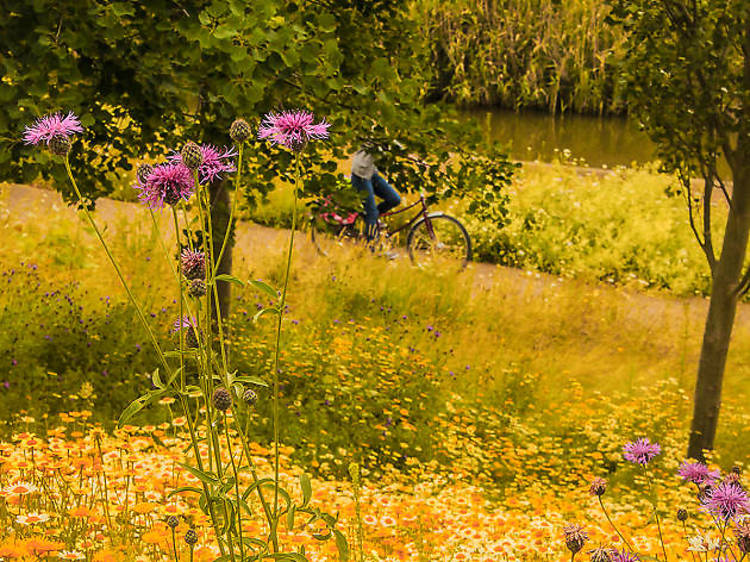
pixel 220 207
pixel 720 320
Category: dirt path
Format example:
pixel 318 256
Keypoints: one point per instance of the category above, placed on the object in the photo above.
pixel 650 308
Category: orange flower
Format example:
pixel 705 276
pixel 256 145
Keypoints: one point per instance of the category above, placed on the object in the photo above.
pixel 80 511
pixel 145 507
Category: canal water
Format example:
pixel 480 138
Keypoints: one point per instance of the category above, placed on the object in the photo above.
pixel 596 141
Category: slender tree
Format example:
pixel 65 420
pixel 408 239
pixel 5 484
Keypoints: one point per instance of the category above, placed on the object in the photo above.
pixel 687 78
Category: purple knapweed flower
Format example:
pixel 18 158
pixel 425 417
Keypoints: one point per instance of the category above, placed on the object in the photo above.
pixel 292 129
pixel 51 126
pixel 166 184
pixel 216 161
pixel 727 500
pixel 575 537
pixel 641 451
pixel 742 533
pixel 697 473
pixel 193 264
pixel 601 554
pixel 598 486
pixel 624 556
pixel 184 322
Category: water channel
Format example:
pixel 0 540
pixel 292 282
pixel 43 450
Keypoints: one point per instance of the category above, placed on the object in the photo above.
pixel 597 141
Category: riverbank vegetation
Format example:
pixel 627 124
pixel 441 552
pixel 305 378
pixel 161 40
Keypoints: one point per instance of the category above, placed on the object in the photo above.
pixel 549 55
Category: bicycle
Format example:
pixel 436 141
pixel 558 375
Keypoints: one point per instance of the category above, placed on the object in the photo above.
pixel 430 235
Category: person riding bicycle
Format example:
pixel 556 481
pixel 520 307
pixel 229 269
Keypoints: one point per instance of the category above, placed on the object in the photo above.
pixel 366 179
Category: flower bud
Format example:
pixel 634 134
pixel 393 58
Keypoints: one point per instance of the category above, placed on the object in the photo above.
pixel 222 399
pixel 601 554
pixel 192 156
pixel 682 514
pixel 172 521
pixel 197 288
pixel 193 264
pixel 239 131
pixel 191 337
pixel 250 397
pixel 598 487
pixel 59 145
pixel 191 537
pixel 143 172
pixel 575 538
pixel 742 532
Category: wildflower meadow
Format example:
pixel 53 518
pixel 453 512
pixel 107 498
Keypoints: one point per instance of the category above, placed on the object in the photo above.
pixel 268 295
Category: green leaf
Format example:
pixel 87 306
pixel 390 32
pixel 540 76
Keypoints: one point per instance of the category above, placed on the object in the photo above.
pixel 254 485
pixel 304 482
pixel 156 379
pixel 137 405
pixel 175 354
pixel 326 22
pixel 224 32
pixel 265 287
pixel 184 489
pixel 251 380
pixel 206 477
pixel 229 279
pixel 287 556
pixel 290 518
pixel 342 545
pixel 263 311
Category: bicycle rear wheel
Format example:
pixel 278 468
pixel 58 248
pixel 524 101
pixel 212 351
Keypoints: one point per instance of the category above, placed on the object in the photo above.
pixel 439 237
pixel 323 234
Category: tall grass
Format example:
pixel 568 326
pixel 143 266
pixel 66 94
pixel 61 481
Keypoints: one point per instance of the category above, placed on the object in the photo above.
pixel 522 345
pixel 547 54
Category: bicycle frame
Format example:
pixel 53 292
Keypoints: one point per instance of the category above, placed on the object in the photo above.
pixel 421 214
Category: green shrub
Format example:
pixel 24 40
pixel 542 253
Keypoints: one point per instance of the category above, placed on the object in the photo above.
pixel 58 343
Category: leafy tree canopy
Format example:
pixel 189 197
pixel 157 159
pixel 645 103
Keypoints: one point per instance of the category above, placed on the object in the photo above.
pixel 146 76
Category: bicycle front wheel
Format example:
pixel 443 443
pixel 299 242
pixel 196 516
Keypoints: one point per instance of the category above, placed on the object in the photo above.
pixel 439 237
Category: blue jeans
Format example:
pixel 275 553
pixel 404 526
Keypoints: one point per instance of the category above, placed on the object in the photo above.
pixel 372 187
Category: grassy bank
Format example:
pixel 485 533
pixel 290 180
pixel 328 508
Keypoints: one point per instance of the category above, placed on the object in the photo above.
pixel 370 338
pixel 615 226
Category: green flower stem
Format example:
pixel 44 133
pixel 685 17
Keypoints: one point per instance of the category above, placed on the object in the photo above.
pixel 278 350
pixel 207 367
pixel 211 287
pixel 253 472
pixel 656 513
pixel 105 489
pixel 236 487
pixel 208 243
pixel 609 519
pixel 174 546
pixel 182 297
pixel 187 225
pixel 232 208
pixel 135 304
pixel 354 471
pixel 199 462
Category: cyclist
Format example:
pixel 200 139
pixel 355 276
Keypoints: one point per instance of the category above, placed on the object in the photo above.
pixel 367 180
